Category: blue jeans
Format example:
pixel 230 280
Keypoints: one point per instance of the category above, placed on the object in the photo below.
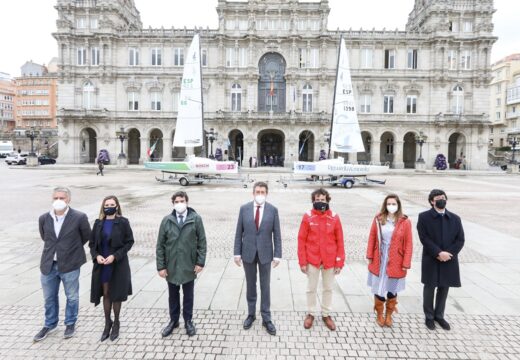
pixel 51 288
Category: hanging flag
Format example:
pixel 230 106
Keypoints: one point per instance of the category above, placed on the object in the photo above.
pixel 271 91
pixel 150 150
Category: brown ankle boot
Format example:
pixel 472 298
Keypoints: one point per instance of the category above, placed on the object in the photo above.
pixel 391 306
pixel 379 307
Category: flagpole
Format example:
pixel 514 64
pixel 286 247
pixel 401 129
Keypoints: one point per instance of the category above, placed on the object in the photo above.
pixel 334 97
pixel 201 100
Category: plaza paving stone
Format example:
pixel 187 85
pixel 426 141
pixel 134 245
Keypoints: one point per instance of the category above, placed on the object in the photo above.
pixel 483 313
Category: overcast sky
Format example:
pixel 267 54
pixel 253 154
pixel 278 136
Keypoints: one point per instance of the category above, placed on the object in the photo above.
pixel 26 25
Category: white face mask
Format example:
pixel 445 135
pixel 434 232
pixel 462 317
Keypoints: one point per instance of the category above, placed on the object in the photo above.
pixel 392 209
pixel 59 205
pixel 180 208
pixel 260 199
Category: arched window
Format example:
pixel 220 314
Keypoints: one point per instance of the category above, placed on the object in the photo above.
pixel 236 98
pixel 88 95
pixel 307 98
pixel 458 100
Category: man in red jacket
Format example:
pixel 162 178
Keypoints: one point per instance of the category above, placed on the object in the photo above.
pixel 320 250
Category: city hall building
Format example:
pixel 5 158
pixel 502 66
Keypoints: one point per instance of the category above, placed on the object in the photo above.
pixel 268 80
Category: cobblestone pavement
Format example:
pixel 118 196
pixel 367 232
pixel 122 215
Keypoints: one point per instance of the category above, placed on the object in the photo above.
pixel 483 313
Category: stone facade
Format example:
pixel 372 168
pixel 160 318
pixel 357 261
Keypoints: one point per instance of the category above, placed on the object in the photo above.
pixel 268 79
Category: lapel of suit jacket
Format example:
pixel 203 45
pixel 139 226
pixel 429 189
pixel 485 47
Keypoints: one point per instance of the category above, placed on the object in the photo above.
pixel 51 220
pixel 264 215
pixel 66 222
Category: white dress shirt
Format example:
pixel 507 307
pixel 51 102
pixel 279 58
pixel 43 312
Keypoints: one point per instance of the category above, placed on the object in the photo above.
pixel 58 223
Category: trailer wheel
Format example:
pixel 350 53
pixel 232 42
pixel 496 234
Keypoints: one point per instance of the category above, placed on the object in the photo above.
pixel 348 184
pixel 183 181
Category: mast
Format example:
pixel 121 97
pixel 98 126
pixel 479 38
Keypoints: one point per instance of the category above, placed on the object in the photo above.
pixel 201 98
pixel 334 96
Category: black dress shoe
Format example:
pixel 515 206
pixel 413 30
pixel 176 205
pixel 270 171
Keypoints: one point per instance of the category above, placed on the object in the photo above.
pixel 190 328
pixel 114 334
pixel 269 327
pixel 443 323
pixel 106 331
pixel 430 324
pixel 248 322
pixel 169 328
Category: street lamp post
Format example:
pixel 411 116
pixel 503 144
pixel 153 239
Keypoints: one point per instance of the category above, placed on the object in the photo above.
pixel 327 142
pixel 121 159
pixel 212 136
pixel 420 139
pixel 121 134
pixel 32 159
pixel 513 141
pixel 32 134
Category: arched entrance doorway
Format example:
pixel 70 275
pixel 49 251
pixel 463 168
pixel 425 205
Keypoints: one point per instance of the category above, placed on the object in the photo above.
pixel 236 146
pixel 271 85
pixel 409 150
pixel 387 148
pixel 178 152
pixel 456 148
pixel 134 146
pixel 88 146
pixel 365 157
pixel 271 147
pixel 156 138
pixel 306 146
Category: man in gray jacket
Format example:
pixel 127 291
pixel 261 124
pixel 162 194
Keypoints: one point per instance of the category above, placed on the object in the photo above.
pixel 64 232
pixel 258 243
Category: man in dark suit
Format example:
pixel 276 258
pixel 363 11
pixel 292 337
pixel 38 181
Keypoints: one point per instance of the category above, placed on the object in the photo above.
pixel 258 244
pixel 442 236
pixel 64 231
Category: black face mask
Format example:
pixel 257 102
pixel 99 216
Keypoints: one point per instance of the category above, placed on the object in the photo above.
pixel 320 206
pixel 440 204
pixel 109 210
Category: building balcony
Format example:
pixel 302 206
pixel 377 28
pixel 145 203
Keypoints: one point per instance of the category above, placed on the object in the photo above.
pixel 513 95
pixel 512 115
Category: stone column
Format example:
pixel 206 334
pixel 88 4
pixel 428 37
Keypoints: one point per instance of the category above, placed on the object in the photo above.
pixel 352 158
pixel 375 152
pixel 143 156
pixel 398 155
pixel 167 149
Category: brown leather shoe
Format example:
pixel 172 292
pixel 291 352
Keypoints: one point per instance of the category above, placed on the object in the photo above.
pixel 309 319
pixel 329 323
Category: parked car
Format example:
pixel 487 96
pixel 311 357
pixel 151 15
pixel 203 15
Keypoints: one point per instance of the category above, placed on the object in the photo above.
pixel 16 159
pixel 103 157
pixel 45 160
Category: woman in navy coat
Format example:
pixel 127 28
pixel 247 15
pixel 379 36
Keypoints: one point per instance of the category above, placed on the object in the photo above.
pixel 109 244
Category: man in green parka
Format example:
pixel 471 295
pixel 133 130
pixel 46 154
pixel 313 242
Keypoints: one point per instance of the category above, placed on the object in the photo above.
pixel 181 254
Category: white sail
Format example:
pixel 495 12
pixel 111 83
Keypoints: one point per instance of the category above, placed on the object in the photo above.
pixel 188 131
pixel 346 134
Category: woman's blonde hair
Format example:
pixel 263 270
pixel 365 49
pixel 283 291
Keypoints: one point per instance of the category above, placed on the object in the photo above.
pixel 102 213
pixel 384 212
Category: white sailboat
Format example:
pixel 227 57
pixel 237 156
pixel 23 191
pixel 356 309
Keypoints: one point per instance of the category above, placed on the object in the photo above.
pixel 189 128
pixel 345 134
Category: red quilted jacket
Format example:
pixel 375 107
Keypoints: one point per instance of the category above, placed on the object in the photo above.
pixel 320 240
pixel 400 252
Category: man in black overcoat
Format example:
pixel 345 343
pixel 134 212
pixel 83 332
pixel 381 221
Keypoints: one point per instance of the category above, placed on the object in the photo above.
pixel 442 237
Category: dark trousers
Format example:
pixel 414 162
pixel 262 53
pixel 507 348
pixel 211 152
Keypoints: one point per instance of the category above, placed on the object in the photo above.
pixel 251 270
pixel 174 301
pixel 440 302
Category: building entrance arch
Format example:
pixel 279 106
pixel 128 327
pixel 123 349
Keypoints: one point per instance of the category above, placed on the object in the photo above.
pixel 271 147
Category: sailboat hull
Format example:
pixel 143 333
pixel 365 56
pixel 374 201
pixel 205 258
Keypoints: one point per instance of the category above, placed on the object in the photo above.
pixel 195 165
pixel 336 167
